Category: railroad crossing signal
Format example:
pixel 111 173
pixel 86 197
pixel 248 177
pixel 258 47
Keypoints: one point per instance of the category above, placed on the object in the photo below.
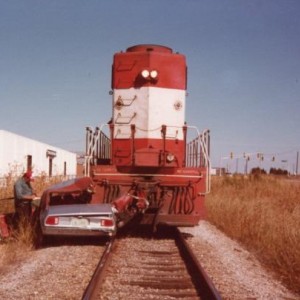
pixel 231 155
pixel 260 156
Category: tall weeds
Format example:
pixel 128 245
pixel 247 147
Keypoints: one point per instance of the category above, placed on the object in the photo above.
pixel 263 213
pixel 17 246
pixel 39 184
pixel 22 238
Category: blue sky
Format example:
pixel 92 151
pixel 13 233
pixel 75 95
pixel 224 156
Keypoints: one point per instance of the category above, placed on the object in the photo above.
pixel 243 62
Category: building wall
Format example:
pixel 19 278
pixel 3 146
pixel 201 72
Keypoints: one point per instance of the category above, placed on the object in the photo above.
pixel 17 151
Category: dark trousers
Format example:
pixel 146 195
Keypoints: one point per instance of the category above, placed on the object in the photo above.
pixel 23 211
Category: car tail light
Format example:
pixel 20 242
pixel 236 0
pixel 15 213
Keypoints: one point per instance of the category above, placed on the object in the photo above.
pixel 106 222
pixel 52 220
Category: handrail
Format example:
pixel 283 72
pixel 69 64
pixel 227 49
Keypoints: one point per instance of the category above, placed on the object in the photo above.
pixel 93 137
pixel 204 150
pixel 93 142
pixel 196 154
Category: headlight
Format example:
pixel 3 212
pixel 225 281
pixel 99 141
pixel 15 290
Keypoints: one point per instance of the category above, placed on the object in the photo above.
pixel 153 74
pixel 145 74
pixel 149 75
pixel 170 157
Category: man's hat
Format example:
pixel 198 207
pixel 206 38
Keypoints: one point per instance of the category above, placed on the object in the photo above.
pixel 28 175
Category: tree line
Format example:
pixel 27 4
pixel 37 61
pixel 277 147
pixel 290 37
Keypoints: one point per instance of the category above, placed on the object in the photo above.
pixel 272 171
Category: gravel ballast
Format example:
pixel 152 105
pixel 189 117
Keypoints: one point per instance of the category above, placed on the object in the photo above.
pixel 62 272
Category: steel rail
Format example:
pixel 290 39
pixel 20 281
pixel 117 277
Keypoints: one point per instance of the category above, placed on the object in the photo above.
pixel 200 279
pixel 92 288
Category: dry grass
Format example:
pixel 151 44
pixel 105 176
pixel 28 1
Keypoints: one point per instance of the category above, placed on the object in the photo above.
pixel 264 214
pixel 17 246
pixel 21 240
pixel 39 184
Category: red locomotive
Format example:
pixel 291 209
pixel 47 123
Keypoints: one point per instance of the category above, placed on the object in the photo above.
pixel 141 160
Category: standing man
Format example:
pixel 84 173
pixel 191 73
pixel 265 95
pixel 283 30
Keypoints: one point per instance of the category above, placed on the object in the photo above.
pixel 23 194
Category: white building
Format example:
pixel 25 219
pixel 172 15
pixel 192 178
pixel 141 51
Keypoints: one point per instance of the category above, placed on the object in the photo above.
pixel 18 154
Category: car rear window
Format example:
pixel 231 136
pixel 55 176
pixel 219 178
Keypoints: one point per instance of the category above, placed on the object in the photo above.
pixel 70 198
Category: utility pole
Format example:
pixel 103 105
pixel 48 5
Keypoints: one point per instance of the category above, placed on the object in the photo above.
pixel 247 158
pixel 297 161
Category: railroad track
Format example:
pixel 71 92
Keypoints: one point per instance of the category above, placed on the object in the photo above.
pixel 164 267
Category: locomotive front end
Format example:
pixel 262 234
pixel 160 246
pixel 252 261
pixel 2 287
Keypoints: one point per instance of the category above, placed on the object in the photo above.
pixel 145 152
